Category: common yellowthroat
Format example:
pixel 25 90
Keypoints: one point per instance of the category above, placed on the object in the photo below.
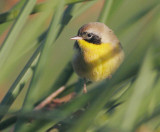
pixel 98 52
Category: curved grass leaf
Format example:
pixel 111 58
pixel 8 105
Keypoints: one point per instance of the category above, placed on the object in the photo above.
pixel 15 30
pixel 142 88
pixel 19 83
pixel 106 11
pixel 50 38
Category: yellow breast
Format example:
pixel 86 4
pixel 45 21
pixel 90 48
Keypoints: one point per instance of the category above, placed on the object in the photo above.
pixel 96 62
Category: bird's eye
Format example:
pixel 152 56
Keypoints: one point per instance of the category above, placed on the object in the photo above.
pixel 89 35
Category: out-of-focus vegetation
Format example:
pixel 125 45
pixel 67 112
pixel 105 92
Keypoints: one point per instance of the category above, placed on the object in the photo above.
pixel 35 61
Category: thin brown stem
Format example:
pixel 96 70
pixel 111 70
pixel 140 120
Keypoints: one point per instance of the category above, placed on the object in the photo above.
pixel 84 88
pixel 49 99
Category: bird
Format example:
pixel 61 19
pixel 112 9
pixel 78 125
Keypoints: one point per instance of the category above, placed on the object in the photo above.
pixel 98 52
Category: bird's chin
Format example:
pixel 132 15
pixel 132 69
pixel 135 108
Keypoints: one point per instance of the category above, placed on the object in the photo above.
pixel 76 46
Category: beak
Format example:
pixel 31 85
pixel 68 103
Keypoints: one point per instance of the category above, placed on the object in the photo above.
pixel 76 38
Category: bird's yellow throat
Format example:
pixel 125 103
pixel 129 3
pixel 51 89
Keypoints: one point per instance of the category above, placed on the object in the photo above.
pixel 96 51
pixel 99 61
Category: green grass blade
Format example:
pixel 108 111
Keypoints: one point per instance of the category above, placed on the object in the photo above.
pixel 27 45
pixel 142 87
pixel 151 107
pixel 4 17
pixel 11 15
pixel 51 36
pixel 53 115
pixel 61 80
pixel 19 83
pixel 15 30
pixel 81 8
pixel 6 123
pixel 106 11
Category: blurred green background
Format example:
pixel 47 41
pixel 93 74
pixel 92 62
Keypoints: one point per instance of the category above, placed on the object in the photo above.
pixel 127 102
pixel 63 50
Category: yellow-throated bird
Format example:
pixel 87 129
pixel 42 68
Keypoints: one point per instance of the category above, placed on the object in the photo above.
pixel 98 52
